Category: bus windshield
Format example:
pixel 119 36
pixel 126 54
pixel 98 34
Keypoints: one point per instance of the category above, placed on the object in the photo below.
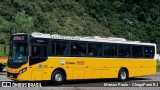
pixel 19 52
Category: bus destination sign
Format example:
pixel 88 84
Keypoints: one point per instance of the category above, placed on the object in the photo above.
pixel 18 37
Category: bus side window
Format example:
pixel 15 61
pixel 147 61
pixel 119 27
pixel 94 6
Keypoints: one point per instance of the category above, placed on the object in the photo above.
pixel 78 49
pixel 64 48
pixel 60 48
pixel 137 51
pixel 39 51
pixel 124 51
pixel 43 51
pixel 35 51
pixel 94 49
pixel 110 50
pixel 149 52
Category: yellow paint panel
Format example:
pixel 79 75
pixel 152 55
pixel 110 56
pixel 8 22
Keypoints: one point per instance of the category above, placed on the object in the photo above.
pixel 87 68
pixel 78 73
pixel 37 75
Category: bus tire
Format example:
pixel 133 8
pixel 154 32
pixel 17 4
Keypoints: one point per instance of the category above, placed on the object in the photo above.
pixel 57 77
pixel 123 75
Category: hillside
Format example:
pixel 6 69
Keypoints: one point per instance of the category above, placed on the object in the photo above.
pixel 131 19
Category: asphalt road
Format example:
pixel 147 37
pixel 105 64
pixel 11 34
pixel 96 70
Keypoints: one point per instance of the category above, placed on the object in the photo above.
pixel 92 84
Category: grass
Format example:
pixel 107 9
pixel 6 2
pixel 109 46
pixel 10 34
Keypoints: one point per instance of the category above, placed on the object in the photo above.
pixel 158 68
pixel 2 50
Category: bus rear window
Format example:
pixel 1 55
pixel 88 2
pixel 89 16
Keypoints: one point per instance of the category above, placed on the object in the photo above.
pixel 149 52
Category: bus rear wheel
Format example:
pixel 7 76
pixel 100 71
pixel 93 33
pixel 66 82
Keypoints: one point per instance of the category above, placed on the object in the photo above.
pixel 123 75
pixel 57 78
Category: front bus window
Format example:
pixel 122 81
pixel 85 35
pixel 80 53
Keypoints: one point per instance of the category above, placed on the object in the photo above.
pixel 18 54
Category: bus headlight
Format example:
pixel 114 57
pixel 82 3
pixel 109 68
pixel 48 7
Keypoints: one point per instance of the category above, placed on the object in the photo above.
pixel 22 71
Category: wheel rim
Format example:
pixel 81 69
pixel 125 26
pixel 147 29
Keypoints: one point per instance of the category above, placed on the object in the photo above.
pixel 58 77
pixel 123 75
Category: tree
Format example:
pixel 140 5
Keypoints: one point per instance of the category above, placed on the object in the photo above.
pixel 5 28
pixel 23 23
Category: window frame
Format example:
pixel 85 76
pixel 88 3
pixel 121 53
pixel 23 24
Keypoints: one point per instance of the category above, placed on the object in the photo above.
pixel 55 52
pixel 35 60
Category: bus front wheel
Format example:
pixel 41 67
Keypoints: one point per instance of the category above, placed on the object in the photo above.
pixel 57 78
pixel 123 75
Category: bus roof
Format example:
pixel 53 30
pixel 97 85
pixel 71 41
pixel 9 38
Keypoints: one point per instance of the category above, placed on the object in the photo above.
pixel 89 39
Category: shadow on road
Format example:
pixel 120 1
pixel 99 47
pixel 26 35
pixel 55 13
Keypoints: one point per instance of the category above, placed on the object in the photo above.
pixel 83 83
pixel 88 82
pixel 139 78
pixel 92 82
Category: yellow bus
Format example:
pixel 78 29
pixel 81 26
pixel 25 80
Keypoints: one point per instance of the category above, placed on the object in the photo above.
pixel 40 57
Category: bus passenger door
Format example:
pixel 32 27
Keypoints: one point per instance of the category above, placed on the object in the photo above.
pixel 38 56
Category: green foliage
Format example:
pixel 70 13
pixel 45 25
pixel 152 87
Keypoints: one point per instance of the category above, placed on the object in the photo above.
pixel 23 23
pixel 131 19
pixel 1 50
pixel 5 29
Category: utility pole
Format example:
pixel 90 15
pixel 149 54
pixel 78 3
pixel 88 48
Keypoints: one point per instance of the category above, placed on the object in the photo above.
pixel 129 36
